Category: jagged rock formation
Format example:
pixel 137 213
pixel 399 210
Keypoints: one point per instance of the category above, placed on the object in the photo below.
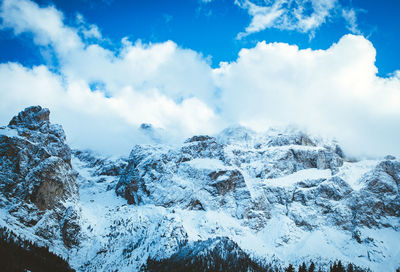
pixel 379 199
pixel 35 168
pixel 281 196
pixel 208 173
pixel 101 166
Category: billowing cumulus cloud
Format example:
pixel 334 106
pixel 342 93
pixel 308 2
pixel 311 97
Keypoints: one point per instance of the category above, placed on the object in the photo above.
pixel 333 92
pixel 102 97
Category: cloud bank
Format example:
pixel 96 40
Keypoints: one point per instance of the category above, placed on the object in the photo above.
pixel 101 97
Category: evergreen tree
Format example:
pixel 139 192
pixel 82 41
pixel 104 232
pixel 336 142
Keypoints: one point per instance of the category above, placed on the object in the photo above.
pixel 312 267
pixel 340 267
pixel 333 268
pixel 302 267
pixel 350 268
pixel 289 268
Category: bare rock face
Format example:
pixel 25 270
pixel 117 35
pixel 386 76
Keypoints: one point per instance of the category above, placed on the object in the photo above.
pixel 35 165
pixel 131 185
pixel 153 175
pixel 379 199
pixel 246 175
pixel 52 181
pixel 226 181
pixel 32 118
pixel 70 227
pixel 35 160
pixel 102 166
pixel 202 146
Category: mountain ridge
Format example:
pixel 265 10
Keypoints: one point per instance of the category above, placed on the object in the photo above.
pixel 282 196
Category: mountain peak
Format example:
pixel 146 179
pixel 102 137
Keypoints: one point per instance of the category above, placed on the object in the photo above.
pixel 32 118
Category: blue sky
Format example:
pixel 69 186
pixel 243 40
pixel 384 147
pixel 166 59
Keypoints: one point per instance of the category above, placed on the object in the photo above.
pixel 328 67
pixel 211 27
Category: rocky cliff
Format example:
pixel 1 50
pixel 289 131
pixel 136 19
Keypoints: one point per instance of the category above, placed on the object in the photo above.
pixel 37 181
pixel 250 177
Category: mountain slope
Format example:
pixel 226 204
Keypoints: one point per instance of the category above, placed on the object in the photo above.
pixel 281 197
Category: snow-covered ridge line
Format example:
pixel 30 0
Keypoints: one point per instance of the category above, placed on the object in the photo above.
pixel 282 196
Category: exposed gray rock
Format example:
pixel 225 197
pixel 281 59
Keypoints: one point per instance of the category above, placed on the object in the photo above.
pixel 50 182
pixel 32 118
pixel 35 160
pixel 227 181
pixel 35 168
pixel 70 228
pixel 291 139
pixel 103 166
pixel 380 197
pixel 153 176
pixel 201 147
pixel 333 189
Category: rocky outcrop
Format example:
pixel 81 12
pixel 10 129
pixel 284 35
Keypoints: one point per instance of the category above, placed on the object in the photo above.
pixel 35 161
pixel 153 176
pixel 239 171
pixel 50 182
pixel 102 166
pixel 35 167
pixel 131 185
pixel 200 147
pixel 379 199
pixel 226 181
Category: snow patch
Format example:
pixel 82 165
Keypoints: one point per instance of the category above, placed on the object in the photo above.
pixel 206 163
pixel 353 172
pixel 306 174
pixel 9 132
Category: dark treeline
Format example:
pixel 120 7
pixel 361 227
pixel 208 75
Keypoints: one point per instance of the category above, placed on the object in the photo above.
pixel 337 266
pixel 219 254
pixel 21 255
pixel 203 264
pixel 213 262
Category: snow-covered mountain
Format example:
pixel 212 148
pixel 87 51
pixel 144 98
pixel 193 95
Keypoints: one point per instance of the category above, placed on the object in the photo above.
pixel 276 198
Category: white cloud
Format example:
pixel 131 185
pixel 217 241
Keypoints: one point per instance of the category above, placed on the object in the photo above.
pixel 91 119
pixel 351 19
pixel 301 15
pixel 262 17
pixel 101 97
pixel 46 24
pixel 332 92
pixel 89 31
pixel 141 66
pixel 141 83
